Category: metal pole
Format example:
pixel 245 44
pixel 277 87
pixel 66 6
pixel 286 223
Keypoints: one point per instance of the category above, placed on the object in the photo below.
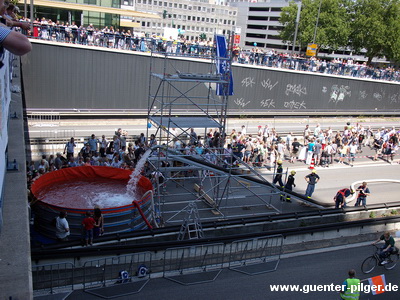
pixel 316 23
pixel 297 26
pixel 32 16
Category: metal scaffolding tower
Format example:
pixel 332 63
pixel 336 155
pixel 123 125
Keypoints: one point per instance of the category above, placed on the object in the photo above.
pixel 204 176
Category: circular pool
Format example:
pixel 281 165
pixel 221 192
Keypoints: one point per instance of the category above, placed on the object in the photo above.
pixel 79 189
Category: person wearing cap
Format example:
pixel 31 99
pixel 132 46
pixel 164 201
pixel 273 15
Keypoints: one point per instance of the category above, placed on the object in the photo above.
pixel 340 197
pixel 278 175
pixel 312 179
pixel 363 192
pixel 290 184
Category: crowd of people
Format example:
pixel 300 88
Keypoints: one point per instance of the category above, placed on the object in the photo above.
pixel 265 148
pixel 111 37
pixel 319 146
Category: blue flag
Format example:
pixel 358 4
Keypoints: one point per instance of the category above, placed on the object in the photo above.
pixel 223 67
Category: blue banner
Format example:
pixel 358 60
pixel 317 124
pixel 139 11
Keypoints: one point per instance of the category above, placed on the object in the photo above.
pixel 223 67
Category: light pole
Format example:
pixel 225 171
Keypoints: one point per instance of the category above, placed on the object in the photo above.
pixel 316 23
pixel 296 25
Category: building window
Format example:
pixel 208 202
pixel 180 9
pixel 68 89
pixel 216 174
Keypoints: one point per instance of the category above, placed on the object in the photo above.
pixel 274 18
pixel 258 8
pixel 165 4
pixel 258 18
pixel 198 19
pixel 256 35
pixel 276 9
pixel 189 18
pixel 175 5
pixel 259 27
pixel 180 5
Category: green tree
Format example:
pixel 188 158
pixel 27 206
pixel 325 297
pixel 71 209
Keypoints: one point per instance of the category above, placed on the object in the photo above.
pixel 369 27
pixel 392 47
pixel 333 23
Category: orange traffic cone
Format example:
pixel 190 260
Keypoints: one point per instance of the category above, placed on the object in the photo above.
pixel 312 165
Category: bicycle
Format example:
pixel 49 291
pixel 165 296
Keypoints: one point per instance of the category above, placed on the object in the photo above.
pixel 369 264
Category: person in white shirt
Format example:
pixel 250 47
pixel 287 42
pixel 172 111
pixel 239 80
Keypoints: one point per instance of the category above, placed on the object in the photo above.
pixel 352 151
pixel 62 227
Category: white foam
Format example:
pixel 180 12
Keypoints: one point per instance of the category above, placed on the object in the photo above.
pixel 136 174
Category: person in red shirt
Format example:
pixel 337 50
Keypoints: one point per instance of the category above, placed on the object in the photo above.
pixel 88 224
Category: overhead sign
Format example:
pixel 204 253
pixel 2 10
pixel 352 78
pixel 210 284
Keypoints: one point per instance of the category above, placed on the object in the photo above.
pixel 312 49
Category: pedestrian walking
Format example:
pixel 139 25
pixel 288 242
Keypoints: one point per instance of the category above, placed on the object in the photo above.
pixel 312 179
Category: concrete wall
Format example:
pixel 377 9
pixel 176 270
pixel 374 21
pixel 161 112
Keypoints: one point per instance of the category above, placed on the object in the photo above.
pixel 77 77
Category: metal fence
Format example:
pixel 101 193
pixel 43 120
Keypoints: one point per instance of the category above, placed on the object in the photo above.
pixel 44 119
pixel 123 275
pixel 192 265
pixel 118 269
pixel 256 256
pixel 53 277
